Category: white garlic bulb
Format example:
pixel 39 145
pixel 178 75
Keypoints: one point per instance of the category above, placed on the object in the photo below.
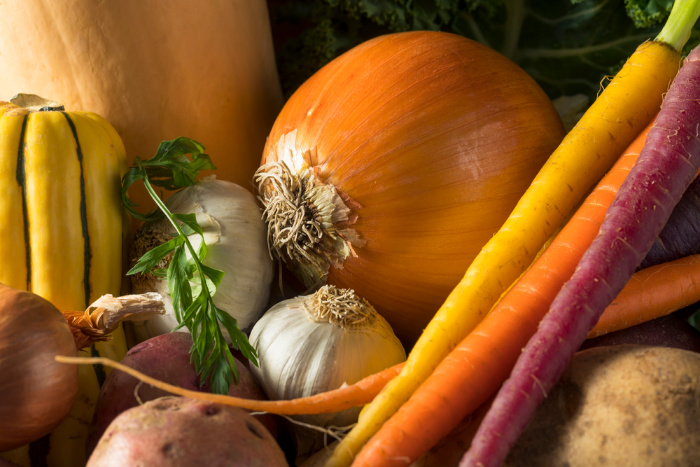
pixel 315 343
pixel 235 236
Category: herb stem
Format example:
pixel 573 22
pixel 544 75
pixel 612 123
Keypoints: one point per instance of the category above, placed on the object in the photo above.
pixel 171 169
pixel 164 209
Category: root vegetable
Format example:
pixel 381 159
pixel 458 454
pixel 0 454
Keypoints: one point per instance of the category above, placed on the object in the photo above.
pixel 665 168
pixel 388 170
pixel 179 431
pixel 167 358
pixel 618 115
pixel 618 405
pixel 342 398
pixel 478 365
pixel 38 392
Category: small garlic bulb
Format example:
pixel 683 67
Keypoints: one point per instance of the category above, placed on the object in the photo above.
pixel 315 343
pixel 235 236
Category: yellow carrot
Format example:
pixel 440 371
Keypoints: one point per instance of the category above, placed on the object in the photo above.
pixel 612 122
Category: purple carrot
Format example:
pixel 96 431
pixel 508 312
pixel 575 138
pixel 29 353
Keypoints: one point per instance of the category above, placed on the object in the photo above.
pixel 681 234
pixel 665 168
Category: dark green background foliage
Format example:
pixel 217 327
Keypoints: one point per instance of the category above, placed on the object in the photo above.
pixel 568 46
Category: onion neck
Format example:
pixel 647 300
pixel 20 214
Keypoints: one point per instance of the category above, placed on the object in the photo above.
pixel 307 221
pixel 105 314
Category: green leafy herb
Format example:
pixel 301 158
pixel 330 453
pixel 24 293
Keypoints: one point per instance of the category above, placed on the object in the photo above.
pixel 191 283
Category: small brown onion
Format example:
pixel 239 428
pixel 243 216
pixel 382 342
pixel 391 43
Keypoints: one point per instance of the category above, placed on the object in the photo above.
pixel 407 152
pixel 36 392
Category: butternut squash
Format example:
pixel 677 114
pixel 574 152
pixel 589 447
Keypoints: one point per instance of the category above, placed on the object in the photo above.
pixel 154 69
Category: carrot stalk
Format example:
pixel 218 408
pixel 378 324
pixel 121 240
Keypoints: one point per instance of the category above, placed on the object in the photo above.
pixel 345 397
pixel 665 168
pixel 612 122
pixel 479 364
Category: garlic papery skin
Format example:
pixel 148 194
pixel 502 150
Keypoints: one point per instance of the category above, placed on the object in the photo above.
pixel 234 234
pixel 318 342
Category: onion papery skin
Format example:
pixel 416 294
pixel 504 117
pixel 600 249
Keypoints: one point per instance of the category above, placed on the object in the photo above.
pixel 435 137
pixel 36 392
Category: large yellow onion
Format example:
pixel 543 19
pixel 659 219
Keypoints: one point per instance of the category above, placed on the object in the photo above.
pixel 389 169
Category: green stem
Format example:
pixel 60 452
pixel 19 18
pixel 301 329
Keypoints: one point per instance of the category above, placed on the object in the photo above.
pixel 205 289
pixel 179 230
pixel 173 170
pixel 679 24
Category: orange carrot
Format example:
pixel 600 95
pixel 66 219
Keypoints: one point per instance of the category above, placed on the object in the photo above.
pixel 352 395
pixel 651 293
pixel 479 364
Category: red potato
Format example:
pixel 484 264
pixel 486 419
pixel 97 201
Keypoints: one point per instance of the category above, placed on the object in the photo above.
pixel 180 431
pixel 166 358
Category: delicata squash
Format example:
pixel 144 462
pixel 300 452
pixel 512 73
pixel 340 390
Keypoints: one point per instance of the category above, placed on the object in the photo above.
pixel 62 227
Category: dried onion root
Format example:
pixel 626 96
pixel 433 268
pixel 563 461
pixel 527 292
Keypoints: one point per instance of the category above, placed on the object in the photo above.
pixel 307 221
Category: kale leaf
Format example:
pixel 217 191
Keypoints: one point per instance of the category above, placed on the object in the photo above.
pixel 568 46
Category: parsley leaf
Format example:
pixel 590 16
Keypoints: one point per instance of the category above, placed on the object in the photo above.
pixel 170 169
pixel 191 283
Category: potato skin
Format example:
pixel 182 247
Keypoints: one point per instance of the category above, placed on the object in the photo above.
pixel 167 358
pixel 618 405
pixel 180 431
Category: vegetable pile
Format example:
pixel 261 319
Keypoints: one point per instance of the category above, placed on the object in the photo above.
pixel 444 251
pixel 352 201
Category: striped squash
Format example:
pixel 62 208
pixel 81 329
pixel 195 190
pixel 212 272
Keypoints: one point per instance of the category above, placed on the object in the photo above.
pixel 60 211
pixel 62 226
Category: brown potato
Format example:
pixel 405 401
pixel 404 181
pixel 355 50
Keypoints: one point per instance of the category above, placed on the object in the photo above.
pixel 185 432
pixel 616 406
